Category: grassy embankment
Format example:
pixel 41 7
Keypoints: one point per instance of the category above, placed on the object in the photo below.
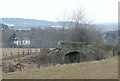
pixel 104 69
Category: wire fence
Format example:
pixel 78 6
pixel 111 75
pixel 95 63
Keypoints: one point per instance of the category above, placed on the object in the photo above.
pixel 14 53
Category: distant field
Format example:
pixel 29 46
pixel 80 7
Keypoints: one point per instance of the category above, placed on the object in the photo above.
pixel 6 52
pixel 12 53
pixel 104 69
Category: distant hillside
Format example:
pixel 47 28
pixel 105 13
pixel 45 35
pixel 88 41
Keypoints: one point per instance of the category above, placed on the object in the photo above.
pixel 113 34
pixel 108 26
pixel 20 23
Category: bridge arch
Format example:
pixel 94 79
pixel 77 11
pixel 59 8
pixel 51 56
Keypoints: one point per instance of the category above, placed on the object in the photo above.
pixel 72 57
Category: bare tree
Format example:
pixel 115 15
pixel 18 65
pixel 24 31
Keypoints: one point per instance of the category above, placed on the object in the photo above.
pixel 83 30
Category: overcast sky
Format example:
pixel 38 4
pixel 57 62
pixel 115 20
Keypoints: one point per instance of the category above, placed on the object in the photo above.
pixel 101 11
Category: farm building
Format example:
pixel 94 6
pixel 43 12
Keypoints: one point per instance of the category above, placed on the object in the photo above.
pixel 22 41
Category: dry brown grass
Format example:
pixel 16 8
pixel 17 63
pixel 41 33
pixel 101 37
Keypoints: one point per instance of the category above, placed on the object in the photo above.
pixel 104 69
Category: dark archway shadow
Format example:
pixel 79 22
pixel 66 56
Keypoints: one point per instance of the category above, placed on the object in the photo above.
pixel 72 57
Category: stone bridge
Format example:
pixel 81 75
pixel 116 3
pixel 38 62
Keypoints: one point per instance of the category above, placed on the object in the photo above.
pixel 72 52
pixel 72 47
pixel 75 51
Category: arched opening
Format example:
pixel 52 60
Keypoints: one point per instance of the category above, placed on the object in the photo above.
pixel 72 57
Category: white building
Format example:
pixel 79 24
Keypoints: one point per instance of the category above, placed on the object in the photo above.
pixel 22 41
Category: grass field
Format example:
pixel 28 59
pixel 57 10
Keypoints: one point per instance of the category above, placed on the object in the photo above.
pixel 6 52
pixel 14 51
pixel 104 69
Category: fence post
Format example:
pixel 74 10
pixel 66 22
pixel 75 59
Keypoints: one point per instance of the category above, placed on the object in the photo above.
pixel 23 53
pixel 36 50
pixel 18 54
pixel 6 57
pixel 11 55
pixel 3 54
pixel 28 51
